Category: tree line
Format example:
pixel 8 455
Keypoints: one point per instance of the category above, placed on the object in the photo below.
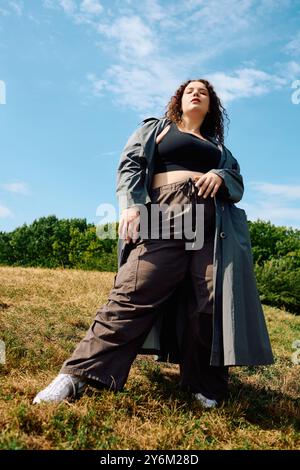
pixel 50 242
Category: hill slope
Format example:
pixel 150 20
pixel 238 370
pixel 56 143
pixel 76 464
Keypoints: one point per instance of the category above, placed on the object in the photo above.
pixel 43 313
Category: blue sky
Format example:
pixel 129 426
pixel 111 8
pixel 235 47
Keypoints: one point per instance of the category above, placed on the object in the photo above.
pixel 77 77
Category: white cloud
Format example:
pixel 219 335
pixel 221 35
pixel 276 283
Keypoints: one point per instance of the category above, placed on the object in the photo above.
pixel 12 6
pixel 135 40
pixel 293 47
pixel 97 85
pixel 293 69
pixel 91 7
pixel 144 89
pixel 286 191
pixel 147 88
pixel 244 83
pixel 18 188
pixel 273 211
pixel 16 6
pixel 69 6
pixel 150 49
pixel 236 14
pixel 83 12
pixel 276 203
pixel 5 212
pixel 138 79
pixel 153 11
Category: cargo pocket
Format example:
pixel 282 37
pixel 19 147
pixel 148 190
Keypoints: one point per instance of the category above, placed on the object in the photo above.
pixel 126 278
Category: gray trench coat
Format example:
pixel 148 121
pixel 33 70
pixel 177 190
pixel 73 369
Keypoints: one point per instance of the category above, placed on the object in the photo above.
pixel 240 336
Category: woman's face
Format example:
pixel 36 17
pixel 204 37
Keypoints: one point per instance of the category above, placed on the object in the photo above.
pixel 195 98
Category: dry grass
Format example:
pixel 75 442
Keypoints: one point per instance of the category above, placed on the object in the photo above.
pixel 43 313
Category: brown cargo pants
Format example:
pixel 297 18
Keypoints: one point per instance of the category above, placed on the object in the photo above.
pixel 152 272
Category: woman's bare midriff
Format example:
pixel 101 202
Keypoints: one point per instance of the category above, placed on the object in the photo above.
pixel 160 179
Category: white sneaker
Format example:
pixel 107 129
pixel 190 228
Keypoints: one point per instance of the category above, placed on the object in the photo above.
pixel 62 387
pixel 205 402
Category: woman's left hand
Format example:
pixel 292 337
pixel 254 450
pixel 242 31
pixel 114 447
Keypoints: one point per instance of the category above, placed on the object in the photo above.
pixel 208 183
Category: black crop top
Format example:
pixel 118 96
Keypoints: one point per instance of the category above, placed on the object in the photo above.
pixel 180 150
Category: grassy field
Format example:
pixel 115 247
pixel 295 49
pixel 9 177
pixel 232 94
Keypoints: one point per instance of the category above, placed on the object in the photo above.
pixel 43 313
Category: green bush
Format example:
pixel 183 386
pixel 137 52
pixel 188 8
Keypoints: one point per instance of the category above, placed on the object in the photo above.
pixel 271 241
pixel 278 282
pixel 73 243
pixel 68 243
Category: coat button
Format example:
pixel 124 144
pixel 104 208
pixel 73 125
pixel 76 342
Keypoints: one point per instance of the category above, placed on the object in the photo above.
pixel 223 235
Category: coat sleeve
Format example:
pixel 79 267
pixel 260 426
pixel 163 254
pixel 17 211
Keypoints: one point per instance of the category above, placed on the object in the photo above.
pixel 232 187
pixel 130 185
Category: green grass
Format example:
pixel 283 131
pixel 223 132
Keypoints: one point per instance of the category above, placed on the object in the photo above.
pixel 43 313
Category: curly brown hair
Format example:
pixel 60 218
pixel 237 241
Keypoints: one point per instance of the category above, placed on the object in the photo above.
pixel 213 123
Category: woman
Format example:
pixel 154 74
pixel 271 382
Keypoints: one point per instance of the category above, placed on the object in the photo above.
pixel 196 243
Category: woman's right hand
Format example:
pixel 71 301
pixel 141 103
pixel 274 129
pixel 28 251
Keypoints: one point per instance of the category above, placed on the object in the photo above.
pixel 129 224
